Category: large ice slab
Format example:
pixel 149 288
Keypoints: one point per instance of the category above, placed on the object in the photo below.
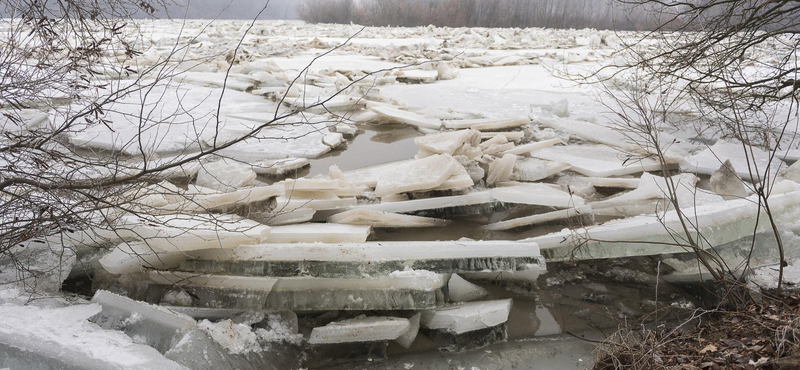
pixel 319 232
pixel 134 257
pixel 62 338
pixel 536 194
pixel 155 326
pixel 360 329
pixel 379 219
pixel 532 147
pixel 719 223
pixel 225 175
pixel 657 187
pixel 597 160
pixel 400 290
pixel 353 260
pixel 750 165
pixel 421 174
pixel 448 142
pixel 468 316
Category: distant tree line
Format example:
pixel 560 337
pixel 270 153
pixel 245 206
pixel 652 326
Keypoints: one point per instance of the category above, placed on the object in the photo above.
pixel 600 14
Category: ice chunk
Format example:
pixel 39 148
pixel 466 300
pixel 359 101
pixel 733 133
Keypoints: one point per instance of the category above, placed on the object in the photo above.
pixel 225 175
pixel 460 290
pixel 360 329
pixel 406 117
pixel 63 338
pixel 198 350
pixel 726 183
pixel 583 211
pixel 312 200
pixel 468 316
pixel 172 233
pixel 155 326
pixel 380 219
pixel 36 267
pixel 279 167
pixel 206 201
pixel 486 124
pixel 419 75
pixel 452 342
pixel 753 162
pixel 598 160
pixel 509 135
pixel 314 184
pixel 501 169
pixel 369 175
pixel 134 257
pixel 408 337
pixel 353 260
pixel 560 108
pixel 532 147
pixel 446 72
pixel 533 169
pixel 448 142
pixel 324 233
pixel 536 194
pixel 421 174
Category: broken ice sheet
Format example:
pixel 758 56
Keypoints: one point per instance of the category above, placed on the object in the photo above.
pixel 755 162
pixel 476 201
pixel 657 187
pixel 134 257
pixel 360 329
pixel 448 142
pixel 354 260
pixel 536 194
pixel 598 160
pixel 501 169
pixel 225 175
pixel 467 317
pixel 378 219
pixel 486 124
pixel 277 167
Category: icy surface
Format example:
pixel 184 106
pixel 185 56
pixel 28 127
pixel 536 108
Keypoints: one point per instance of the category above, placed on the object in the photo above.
pixel 536 194
pixel 421 174
pixel 751 165
pixel 361 329
pixel 468 316
pixel 597 160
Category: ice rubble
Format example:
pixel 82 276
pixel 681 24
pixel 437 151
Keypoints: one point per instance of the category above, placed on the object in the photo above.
pixel 44 338
pixel 750 165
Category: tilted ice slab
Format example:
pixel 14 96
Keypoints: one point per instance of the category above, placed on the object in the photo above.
pixel 279 166
pixel 532 147
pixel 421 174
pixel 353 260
pixel 541 218
pixel 319 232
pixel 501 169
pixel 613 182
pixel 406 117
pixel 471 199
pixel 486 124
pixel 379 219
pixel 360 329
pixel 533 169
pixel 293 137
pixel 370 175
pixel 710 160
pixel 657 187
pixel 63 338
pixel 134 257
pixel 155 326
pixel 400 290
pixel 719 223
pixel 536 194
pixel 172 233
pixel 207 201
pixel 468 316
pixel 597 160
pixel 446 142
pixel 629 140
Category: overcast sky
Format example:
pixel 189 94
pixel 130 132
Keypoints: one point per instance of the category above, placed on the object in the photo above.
pixel 233 9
